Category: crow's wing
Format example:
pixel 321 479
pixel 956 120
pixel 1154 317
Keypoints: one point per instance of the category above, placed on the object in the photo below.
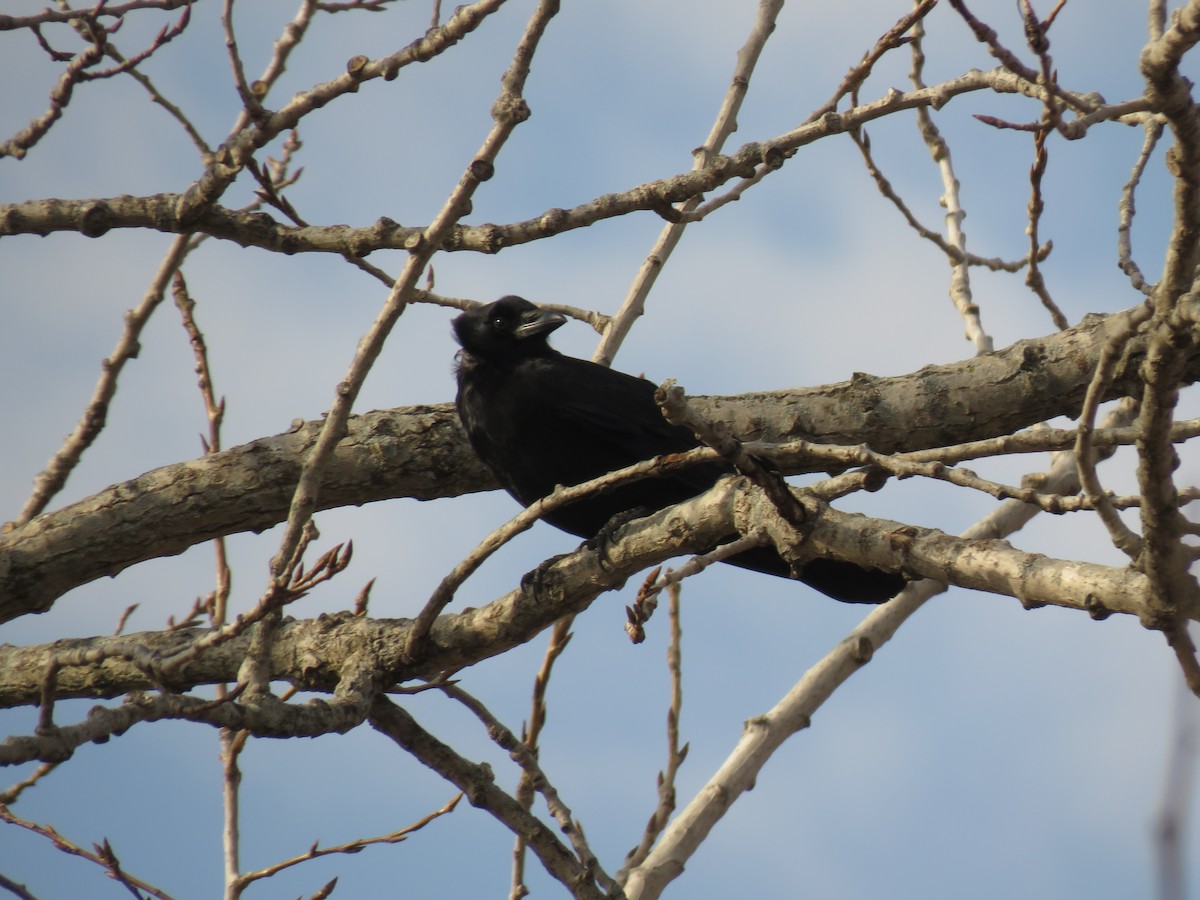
pixel 558 420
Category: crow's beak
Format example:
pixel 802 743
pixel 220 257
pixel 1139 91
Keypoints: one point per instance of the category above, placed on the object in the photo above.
pixel 538 321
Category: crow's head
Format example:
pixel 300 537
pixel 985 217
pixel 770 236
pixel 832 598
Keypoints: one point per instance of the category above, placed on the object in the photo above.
pixel 511 328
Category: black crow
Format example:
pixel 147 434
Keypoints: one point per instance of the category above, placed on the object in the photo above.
pixel 539 419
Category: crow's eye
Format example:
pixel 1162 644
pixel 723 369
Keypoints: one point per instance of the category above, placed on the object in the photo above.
pixel 499 323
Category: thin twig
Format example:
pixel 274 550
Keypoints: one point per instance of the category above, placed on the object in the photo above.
pixel 724 125
pixel 51 479
pixel 560 637
pixel 316 851
pixel 675 753
pixel 1126 209
pixel 520 753
pixel 1033 277
pixel 939 149
pixel 102 855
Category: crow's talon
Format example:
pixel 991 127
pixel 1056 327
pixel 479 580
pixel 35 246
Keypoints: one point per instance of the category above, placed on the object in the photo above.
pixel 535 580
pixel 600 541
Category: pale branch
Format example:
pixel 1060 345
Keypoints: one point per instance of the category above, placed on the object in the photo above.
pixel 956 237
pixel 796 455
pixel 421 452
pixel 322 654
pixel 1169 93
pixel 196 209
pixel 1157 18
pixel 1164 557
pixel 418 452
pixel 262 716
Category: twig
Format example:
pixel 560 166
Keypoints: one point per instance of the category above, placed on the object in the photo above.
pixel 1126 209
pixel 939 149
pixel 252 94
pixel 49 15
pixel 165 35
pixel 724 125
pixel 102 854
pixel 60 95
pixel 1119 533
pixel 646 602
pixel 560 637
pixel 316 851
pixel 478 783
pixel 232 742
pixel 955 255
pixel 895 37
pixel 1033 277
pixel 11 795
pixel 521 754
pixel 51 479
pixel 1052 90
pixel 675 753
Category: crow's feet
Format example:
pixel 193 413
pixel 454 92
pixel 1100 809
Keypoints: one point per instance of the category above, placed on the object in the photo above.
pixel 600 542
pixel 535 580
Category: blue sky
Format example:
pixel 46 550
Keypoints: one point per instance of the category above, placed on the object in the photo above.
pixel 986 752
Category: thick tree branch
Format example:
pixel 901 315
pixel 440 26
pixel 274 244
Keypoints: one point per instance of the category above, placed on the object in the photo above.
pixel 324 653
pixel 421 452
